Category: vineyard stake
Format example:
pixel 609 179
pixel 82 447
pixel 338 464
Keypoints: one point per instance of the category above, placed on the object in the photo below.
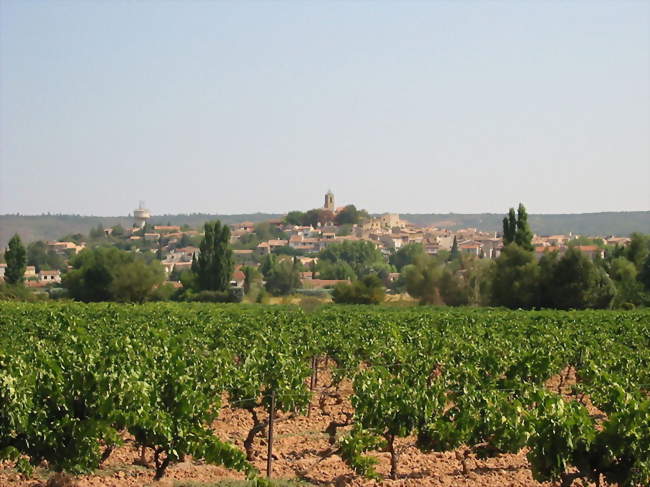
pixel 269 459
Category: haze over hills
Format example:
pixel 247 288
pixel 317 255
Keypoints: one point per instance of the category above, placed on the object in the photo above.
pixel 53 227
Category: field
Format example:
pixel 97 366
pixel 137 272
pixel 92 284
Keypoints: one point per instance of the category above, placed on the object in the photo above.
pixel 125 395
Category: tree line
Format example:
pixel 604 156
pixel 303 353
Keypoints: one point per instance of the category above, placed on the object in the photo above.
pixel 516 279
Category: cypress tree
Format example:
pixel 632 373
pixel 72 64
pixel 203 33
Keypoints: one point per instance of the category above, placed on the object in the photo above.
pixel 454 250
pixel 16 259
pixel 215 263
pixel 509 227
pixel 523 235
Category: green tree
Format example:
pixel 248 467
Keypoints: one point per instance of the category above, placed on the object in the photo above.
pixel 455 253
pixel 362 256
pixel 368 290
pixel 523 234
pixel 629 290
pixel 318 216
pixel 515 280
pixel 422 280
pixel 579 284
pixel 117 231
pixel 547 265
pixel 107 274
pixel 97 232
pixel 509 227
pixel 638 249
pixel 516 228
pixel 265 231
pixel 335 270
pixel 284 277
pixel 268 263
pixel 295 218
pixel 215 263
pixel 406 255
pixel 41 258
pixel 252 278
pixel 136 281
pixel 453 290
pixel 348 215
pixel 644 274
pixel 16 259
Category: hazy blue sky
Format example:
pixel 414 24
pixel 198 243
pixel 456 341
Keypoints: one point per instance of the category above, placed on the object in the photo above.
pixel 229 107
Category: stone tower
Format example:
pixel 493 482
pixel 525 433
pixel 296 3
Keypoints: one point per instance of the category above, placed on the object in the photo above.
pixel 329 201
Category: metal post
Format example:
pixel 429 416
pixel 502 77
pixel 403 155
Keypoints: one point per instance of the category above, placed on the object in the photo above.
pixel 269 459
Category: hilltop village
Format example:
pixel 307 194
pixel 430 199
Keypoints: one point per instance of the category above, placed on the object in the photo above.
pixel 303 238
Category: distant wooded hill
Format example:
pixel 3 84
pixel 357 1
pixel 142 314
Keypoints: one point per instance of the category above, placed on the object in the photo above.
pixel 53 227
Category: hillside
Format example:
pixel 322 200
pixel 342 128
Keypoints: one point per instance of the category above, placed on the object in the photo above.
pixel 51 227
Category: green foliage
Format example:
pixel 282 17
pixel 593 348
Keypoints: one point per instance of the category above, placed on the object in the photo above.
pixel 523 235
pixel 516 228
pixel 509 227
pixel 367 290
pixel 295 218
pixel 362 256
pixel 41 258
pixel 644 274
pixel 74 377
pixel 352 449
pixel 638 249
pixel 629 290
pixel 577 283
pixel 453 289
pixel 349 215
pixel 16 259
pixel 215 263
pixel 107 274
pixel 454 254
pixel 252 278
pixel 406 255
pixel 335 270
pixel 283 277
pixel 515 279
pixel 422 280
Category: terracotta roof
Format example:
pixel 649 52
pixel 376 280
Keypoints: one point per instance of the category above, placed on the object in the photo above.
pixel 320 283
pixel 588 248
pixel 36 283
pixel 542 249
pixel 50 273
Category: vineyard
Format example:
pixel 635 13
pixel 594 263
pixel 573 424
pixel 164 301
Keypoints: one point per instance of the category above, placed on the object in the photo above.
pixel 566 391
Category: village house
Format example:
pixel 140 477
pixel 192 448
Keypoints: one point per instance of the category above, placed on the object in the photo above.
pixel 471 248
pixel 592 251
pixel 49 276
pixel 64 248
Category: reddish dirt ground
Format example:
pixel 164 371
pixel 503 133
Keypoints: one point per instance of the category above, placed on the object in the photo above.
pixel 299 444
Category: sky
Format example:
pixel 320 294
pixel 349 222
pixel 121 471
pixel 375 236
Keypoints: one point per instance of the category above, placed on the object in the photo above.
pixel 239 107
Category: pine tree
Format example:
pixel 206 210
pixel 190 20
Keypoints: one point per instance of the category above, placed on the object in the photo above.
pixel 16 259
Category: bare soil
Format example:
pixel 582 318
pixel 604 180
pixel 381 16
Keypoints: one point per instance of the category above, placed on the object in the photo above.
pixel 299 447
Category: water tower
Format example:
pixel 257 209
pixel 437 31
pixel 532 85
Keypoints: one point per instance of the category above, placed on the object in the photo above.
pixel 141 215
